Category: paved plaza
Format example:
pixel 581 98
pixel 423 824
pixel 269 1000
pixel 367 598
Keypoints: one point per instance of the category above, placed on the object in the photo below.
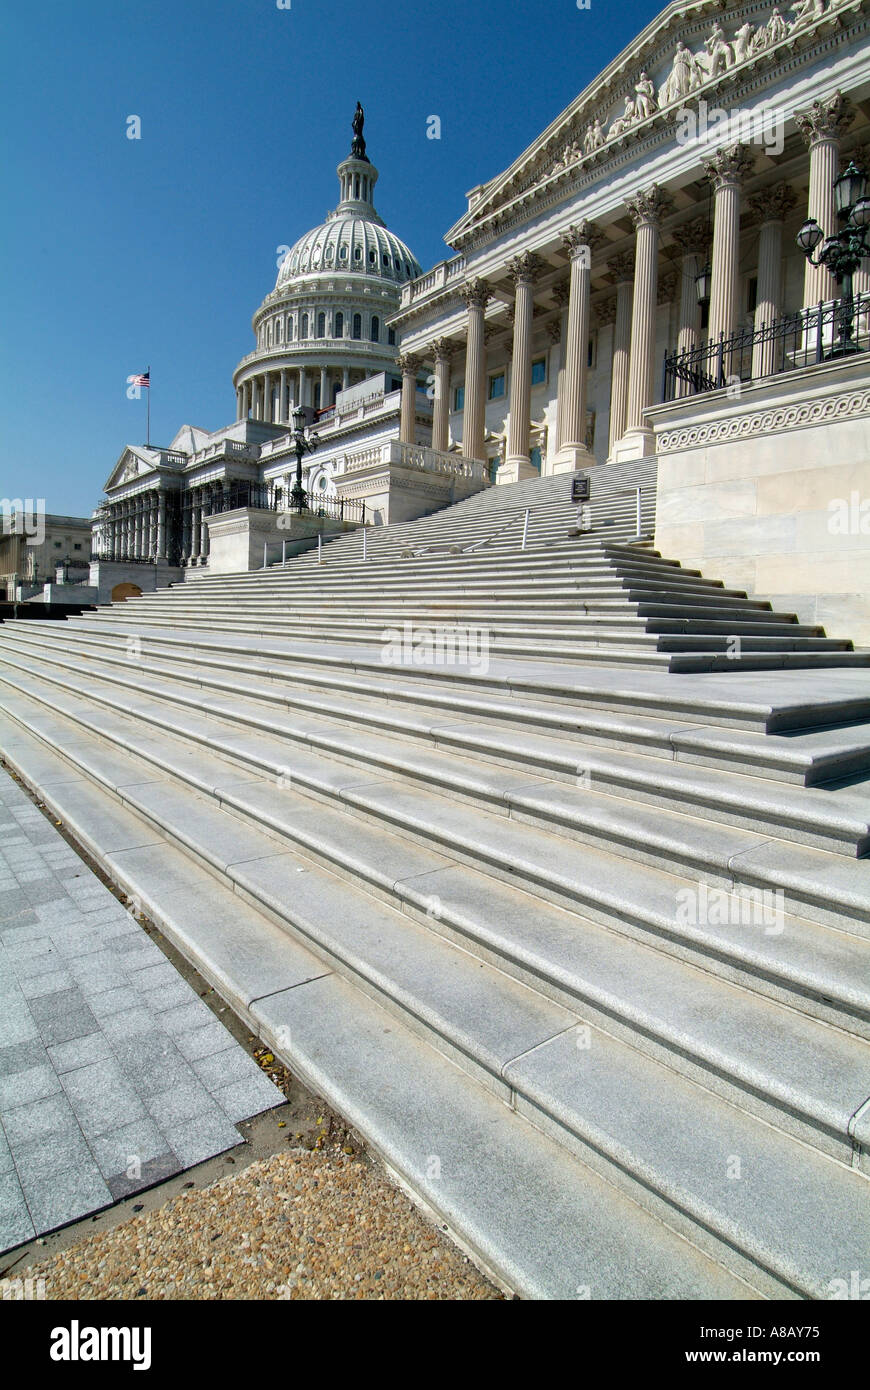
pixel 113 1074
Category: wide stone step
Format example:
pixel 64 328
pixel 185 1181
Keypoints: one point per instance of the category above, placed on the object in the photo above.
pixel 786 958
pixel 412 1102
pixel 811 757
pixel 436 990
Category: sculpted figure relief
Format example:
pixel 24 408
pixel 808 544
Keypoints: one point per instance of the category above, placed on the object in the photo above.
pixel 743 42
pixel 684 77
pixel 622 123
pixel 805 11
pixel 594 137
pixel 719 54
pixel 645 98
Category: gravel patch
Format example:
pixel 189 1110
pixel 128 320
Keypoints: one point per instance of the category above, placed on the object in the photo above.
pixel 305 1224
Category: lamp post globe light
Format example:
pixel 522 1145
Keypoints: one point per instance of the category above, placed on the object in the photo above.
pixel 306 442
pixel 843 252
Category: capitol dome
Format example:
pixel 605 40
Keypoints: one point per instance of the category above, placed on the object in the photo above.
pixel 324 326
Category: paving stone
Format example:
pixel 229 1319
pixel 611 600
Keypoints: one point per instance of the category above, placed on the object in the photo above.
pixel 251 1096
pixel 27 1086
pixel 179 1104
pixel 168 996
pixel 153 1170
pixel 18 1057
pixel 204 1042
pixel 186 1017
pixel 51 1120
pixel 101 1097
pixel 140 1141
pixel 80 1052
pixel 52 983
pixel 197 1139
pixel 225 1068
pixel 113 1001
pixel 16 1224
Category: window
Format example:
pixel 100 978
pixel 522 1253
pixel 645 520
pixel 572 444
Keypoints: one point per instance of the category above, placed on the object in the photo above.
pixel 357 326
pixel 539 371
pixel 357 254
pixel 57 545
pixel 77 546
pixel 339 325
pixel 342 253
pixel 279 330
pixel 386 259
pixel 289 329
pixel 496 386
pixel 321 325
pixel 376 329
pixel 459 398
pixel 752 295
pixel 391 337
pixel 304 330
pixel 371 257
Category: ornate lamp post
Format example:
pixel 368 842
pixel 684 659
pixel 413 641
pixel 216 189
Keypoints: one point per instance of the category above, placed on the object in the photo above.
pixel 306 442
pixel 843 252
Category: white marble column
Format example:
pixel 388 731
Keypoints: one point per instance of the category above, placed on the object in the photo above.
pixel 475 294
pixel 161 525
pixel 646 210
pixel 443 351
pixel 267 397
pixel 692 238
pixel 623 270
pixel 409 365
pixel 239 397
pixel 282 407
pixel 822 126
pixel 726 170
pixel 573 450
pixel 325 402
pixel 517 465
pixel 195 519
pixel 770 207
pixel 303 386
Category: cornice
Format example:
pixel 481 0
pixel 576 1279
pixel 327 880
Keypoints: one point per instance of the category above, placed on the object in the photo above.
pixel 488 220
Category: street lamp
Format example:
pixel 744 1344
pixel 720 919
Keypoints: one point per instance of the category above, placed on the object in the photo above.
pixel 843 252
pixel 306 442
pixel 704 285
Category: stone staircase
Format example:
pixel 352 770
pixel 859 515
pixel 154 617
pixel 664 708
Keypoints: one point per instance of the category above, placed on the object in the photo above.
pixel 580 945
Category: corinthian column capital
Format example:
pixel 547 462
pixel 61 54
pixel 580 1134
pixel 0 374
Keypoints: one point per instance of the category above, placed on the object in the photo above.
pixel 692 237
pixel 826 120
pixel 409 363
pixel 476 293
pixel 622 267
pixel 773 204
pixel 443 349
pixel 581 237
pixel 524 269
pixel 729 166
pixel 649 206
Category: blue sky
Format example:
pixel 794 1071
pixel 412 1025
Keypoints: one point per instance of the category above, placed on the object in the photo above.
pixel 118 254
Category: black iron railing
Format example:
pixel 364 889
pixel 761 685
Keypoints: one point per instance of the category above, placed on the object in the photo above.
pixel 797 340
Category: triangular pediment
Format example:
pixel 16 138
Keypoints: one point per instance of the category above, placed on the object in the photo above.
pixel 133 463
pixel 687 52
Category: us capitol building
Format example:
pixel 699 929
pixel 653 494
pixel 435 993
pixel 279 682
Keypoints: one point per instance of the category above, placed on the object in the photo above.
pixel 630 287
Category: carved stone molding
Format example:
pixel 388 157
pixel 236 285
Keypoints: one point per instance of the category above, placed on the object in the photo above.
pixel 622 267
pixel 443 349
pixel 605 311
pixel 476 294
pixel 693 237
pixel 765 422
pixel 582 234
pixel 729 166
pixel 554 331
pixel 409 363
pixel 773 204
pixel 667 287
pixel 826 120
pixel 524 269
pixel 649 206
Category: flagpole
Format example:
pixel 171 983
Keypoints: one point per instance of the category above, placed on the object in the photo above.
pixel 148 431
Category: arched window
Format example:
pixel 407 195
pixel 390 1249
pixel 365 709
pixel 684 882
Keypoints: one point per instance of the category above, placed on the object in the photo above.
pixel 372 257
pixel 304 332
pixel 357 326
pixel 342 253
pixel 356 186
pixel 289 329
pixel 376 329
pixel 339 325
pixel 279 330
pixel 321 325
pixel 357 255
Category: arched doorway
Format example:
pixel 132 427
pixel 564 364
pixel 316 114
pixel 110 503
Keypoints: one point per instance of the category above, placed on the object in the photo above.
pixel 125 591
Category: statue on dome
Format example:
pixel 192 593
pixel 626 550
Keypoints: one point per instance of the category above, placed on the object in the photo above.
pixel 358 146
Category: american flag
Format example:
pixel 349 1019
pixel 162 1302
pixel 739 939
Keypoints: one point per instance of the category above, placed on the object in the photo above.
pixel 144 380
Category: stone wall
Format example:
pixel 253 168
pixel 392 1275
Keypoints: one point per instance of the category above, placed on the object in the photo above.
pixel 769 490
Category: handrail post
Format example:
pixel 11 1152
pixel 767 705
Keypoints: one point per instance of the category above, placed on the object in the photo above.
pixel 364 541
pixel 819 335
pixel 525 529
pixel 265 553
pixel 284 552
pixel 319 548
pixel 638 515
